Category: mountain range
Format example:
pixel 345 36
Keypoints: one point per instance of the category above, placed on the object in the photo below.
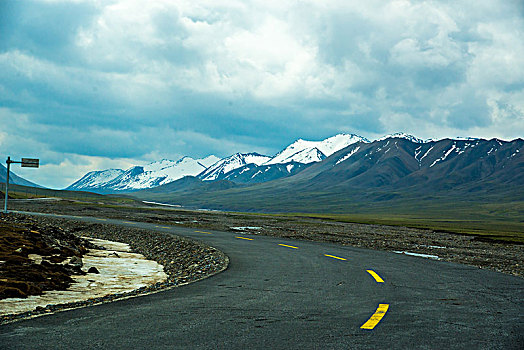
pixel 140 177
pixel 337 171
pixel 396 169
pixel 239 167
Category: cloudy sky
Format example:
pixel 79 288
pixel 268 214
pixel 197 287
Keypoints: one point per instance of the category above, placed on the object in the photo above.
pixel 90 85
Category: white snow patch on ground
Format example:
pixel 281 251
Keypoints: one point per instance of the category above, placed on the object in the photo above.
pixel 37 199
pixel 418 254
pixel 164 204
pixel 121 274
pixel 244 228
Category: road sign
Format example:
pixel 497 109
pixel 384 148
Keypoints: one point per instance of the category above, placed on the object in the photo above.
pixel 30 163
pixel 26 163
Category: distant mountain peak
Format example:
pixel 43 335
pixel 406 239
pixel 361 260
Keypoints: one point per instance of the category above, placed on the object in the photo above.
pixel 303 151
pixel 230 163
pixel 140 177
pixel 401 135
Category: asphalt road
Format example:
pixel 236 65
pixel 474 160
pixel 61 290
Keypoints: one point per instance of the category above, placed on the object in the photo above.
pixel 282 294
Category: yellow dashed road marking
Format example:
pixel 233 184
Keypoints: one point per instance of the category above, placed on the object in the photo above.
pixel 166 227
pixel 129 222
pixel 101 219
pixel 335 257
pixel 288 246
pixel 248 239
pixel 209 233
pixel 375 276
pixel 377 316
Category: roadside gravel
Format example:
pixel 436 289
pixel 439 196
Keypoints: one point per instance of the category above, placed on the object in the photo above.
pixel 184 260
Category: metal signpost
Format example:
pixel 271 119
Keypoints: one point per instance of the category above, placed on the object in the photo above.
pixel 24 163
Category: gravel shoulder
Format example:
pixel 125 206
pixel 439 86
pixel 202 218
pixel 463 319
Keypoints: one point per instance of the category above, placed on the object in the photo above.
pixel 184 260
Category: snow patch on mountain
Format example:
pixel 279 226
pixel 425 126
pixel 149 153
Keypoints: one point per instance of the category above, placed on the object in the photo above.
pixel 306 156
pixel 96 179
pixel 230 163
pixel 208 161
pixel 401 135
pixel 306 152
pixel 141 177
pixel 347 156
pixel 157 174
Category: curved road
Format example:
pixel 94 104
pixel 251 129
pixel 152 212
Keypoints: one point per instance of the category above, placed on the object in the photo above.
pixel 282 294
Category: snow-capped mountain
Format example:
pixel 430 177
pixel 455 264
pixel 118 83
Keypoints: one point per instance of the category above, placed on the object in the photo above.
pixel 140 177
pixel 248 168
pixel 96 179
pixel 254 168
pixel 156 174
pixel 302 151
pixel 426 166
pixel 393 170
pixel 225 165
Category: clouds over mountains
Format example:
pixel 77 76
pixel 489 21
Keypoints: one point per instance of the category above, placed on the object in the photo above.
pixel 143 80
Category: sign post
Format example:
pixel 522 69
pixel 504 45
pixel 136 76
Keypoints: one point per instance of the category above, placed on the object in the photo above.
pixel 25 163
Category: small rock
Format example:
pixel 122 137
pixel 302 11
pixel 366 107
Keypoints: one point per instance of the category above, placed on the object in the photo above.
pixel 93 269
pixel 76 261
pixel 19 250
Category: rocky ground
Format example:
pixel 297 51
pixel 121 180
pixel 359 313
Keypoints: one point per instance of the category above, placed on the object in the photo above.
pixel 22 243
pixel 465 249
pixel 58 240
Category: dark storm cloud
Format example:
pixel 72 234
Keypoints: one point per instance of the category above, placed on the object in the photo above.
pixel 44 29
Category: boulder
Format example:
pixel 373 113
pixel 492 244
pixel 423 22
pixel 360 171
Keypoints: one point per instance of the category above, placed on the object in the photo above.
pixel 93 269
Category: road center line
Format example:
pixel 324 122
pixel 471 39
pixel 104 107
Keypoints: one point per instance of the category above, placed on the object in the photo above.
pixel 129 222
pixel 166 227
pixel 375 276
pixel 288 246
pixel 377 316
pixel 335 257
pixel 248 239
pixel 101 219
pixel 209 233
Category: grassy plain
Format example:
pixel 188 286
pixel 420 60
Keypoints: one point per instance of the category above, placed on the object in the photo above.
pixel 490 219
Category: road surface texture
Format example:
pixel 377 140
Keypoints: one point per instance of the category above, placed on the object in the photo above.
pixel 283 294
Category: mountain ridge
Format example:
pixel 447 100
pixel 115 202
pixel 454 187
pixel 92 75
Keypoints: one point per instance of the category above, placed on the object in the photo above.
pixel 251 168
pixel 384 171
pixel 140 177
